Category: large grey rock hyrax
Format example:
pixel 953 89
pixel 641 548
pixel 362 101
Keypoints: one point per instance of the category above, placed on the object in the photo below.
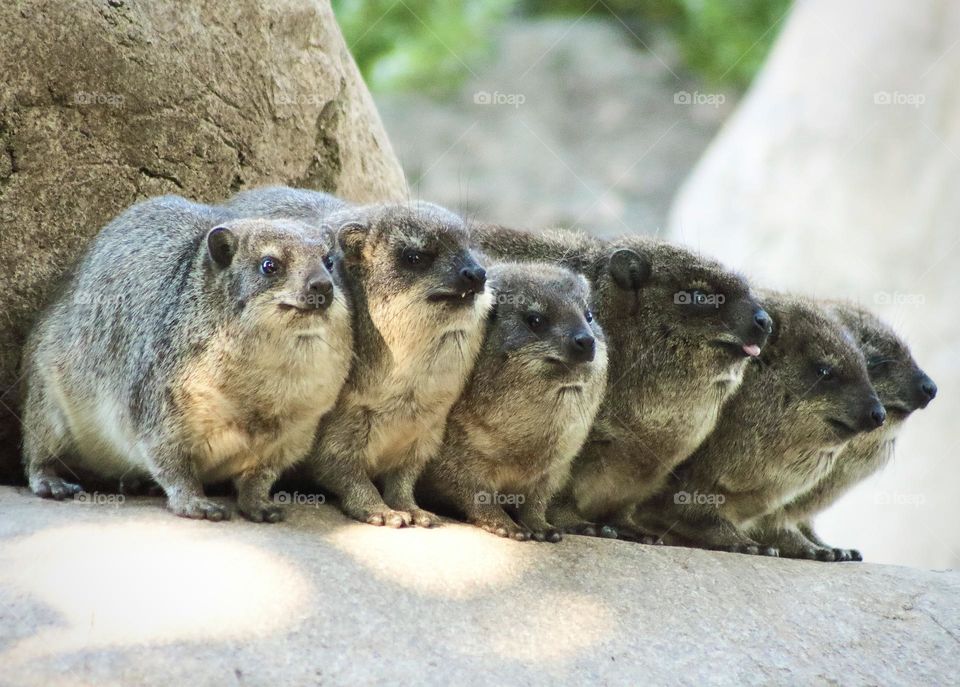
pixel 191 348
pixel 535 389
pixel 103 104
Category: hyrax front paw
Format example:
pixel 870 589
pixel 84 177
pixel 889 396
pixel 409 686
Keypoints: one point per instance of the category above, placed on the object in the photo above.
pixel 54 488
pixel 424 518
pixel 263 512
pixel 589 529
pixel 385 517
pixel 199 509
pixel 547 534
pixel 504 529
pixel 751 549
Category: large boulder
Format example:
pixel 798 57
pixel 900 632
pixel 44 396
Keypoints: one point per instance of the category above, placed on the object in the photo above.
pixel 839 175
pixel 120 592
pixel 106 102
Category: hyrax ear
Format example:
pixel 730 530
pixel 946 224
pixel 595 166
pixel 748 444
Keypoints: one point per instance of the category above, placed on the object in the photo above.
pixel 351 237
pixel 629 270
pixel 222 246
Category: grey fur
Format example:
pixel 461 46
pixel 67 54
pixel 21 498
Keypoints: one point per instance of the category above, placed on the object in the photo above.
pixel 671 366
pixel 157 360
pixel 781 433
pixel 529 406
pixel 899 383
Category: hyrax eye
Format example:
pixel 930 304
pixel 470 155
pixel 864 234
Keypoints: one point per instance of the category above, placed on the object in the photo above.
pixel 328 261
pixel 415 258
pixel 825 372
pixel 536 321
pixel 589 316
pixel 269 266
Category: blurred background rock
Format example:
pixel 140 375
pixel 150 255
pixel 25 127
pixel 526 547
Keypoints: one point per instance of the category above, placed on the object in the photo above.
pixel 834 172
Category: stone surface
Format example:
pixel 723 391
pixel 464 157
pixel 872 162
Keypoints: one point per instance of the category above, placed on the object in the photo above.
pixel 125 593
pixel 838 176
pixel 103 103
pixel 570 123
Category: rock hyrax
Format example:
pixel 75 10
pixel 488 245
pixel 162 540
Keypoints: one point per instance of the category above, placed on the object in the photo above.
pixel 189 349
pixel 800 403
pixel 528 408
pixel 902 388
pixel 420 305
pixel 283 202
pixel 680 329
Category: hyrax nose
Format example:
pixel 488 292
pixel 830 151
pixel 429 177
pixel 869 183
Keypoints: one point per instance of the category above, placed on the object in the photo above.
pixel 583 348
pixel 928 391
pixel 762 323
pixel 874 416
pixel 318 291
pixel 472 279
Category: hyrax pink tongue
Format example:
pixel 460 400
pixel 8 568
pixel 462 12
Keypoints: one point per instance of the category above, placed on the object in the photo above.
pixel 753 350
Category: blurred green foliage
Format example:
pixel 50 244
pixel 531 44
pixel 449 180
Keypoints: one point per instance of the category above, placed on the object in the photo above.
pixel 427 44
pixel 424 45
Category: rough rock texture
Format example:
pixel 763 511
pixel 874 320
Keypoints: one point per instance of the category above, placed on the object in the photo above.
pixel 129 594
pixel 105 102
pixel 573 123
pixel 838 176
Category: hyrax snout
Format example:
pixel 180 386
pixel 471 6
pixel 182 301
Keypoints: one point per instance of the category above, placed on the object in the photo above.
pixel 805 397
pixel 528 408
pixel 902 388
pixel 190 348
pixel 420 303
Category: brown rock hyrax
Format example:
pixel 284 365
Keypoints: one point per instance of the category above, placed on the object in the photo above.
pixel 902 388
pixel 800 403
pixel 536 386
pixel 420 305
pixel 680 329
pixel 190 349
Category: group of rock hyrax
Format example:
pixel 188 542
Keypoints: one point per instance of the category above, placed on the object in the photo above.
pixel 529 383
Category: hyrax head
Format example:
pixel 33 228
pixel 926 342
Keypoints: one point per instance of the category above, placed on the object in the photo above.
pixel 818 373
pixel 277 274
pixel 416 270
pixel 541 314
pixel 673 301
pixel 900 383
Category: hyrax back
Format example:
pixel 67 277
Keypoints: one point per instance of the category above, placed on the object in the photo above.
pixel 283 202
pixel 419 309
pixel 800 403
pixel 191 349
pixel 902 388
pixel 680 329
pixel 528 408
